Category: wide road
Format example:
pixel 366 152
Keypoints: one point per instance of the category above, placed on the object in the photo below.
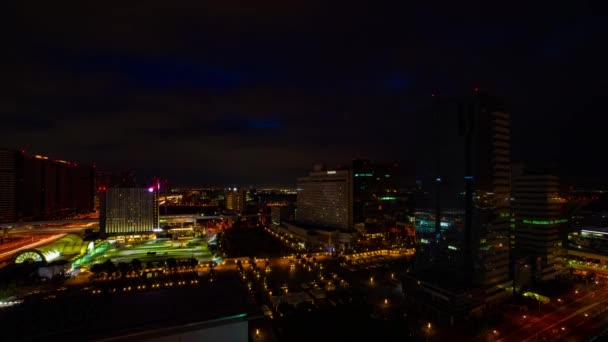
pixel 591 330
pixel 561 321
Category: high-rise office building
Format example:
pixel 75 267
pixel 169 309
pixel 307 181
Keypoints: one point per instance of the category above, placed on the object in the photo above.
pixel 8 185
pixel 487 207
pixel 42 188
pixel 325 198
pixel 83 187
pixel 32 188
pixel 537 211
pixel 467 170
pixel 127 211
pixel 236 200
pixel 374 189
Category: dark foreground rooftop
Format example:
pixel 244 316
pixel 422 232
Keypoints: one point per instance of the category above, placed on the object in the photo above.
pixel 81 317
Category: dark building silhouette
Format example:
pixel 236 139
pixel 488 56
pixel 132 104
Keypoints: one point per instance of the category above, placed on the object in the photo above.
pixel 8 185
pixel 43 188
pixel 466 171
pixel 539 223
pixel 375 190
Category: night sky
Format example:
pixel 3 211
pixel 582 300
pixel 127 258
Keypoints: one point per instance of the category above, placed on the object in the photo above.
pixel 212 92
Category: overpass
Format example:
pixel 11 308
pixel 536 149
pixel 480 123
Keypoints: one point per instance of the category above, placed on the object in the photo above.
pixel 93 221
pixel 48 226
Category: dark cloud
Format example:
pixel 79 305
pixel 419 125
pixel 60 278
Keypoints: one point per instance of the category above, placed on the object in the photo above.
pixel 212 92
pixel 27 123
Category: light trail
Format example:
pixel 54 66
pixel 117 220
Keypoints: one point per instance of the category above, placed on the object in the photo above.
pixel 32 245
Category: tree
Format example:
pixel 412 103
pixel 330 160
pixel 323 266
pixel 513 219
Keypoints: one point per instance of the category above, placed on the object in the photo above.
pixel 124 269
pixel 192 262
pixel 171 263
pixel 109 267
pixel 97 269
pixel 136 265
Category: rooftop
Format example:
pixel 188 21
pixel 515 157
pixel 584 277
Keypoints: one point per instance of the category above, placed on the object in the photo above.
pixel 81 316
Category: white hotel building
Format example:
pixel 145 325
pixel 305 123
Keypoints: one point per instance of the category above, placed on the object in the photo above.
pixel 325 199
pixel 128 211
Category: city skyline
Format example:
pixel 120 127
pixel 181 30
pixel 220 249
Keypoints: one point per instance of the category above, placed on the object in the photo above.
pixel 283 86
pixel 304 171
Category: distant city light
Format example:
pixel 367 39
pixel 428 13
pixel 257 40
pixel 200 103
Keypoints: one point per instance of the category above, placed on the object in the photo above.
pixel 331 172
pixel 151 189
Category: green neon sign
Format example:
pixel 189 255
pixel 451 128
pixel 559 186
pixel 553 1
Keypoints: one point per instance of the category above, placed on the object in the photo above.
pixel 545 222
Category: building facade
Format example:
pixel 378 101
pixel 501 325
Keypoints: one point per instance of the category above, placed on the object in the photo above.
pixel 36 187
pixel 375 191
pixel 325 199
pixel 127 211
pixel 466 171
pixel 280 214
pixel 236 200
pixel 537 213
pixel 8 186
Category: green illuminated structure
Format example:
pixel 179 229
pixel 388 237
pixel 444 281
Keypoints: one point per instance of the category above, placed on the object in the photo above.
pixel 69 246
pixel 545 222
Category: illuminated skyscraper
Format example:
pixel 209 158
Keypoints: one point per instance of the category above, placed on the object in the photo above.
pixel 236 200
pixel 127 211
